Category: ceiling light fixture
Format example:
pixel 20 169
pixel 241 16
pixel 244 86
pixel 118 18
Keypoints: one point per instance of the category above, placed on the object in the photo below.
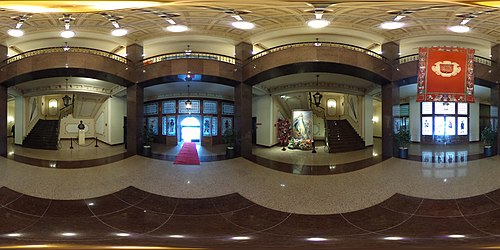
pixel 173 27
pixel 459 29
pixel 391 25
pixel 319 22
pixel 393 238
pixel 240 23
pixel 66 99
pixel 188 102
pixel 316 239
pixel 118 31
pixel 243 25
pixel 188 50
pixel 395 23
pixel 67 33
pixel 17 32
pixel 177 28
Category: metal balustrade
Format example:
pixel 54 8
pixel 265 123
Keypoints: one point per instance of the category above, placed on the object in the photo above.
pixel 190 55
pixel 319 44
pixel 414 57
pixel 66 50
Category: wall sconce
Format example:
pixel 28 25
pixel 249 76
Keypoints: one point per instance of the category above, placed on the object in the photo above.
pixel 375 119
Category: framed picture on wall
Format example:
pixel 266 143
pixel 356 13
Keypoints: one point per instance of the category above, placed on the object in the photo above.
pixel 426 108
pixel 450 125
pixel 227 123
pixel 439 125
pixel 214 125
pixel 171 125
pixel 462 126
pixel 207 120
pixel 427 125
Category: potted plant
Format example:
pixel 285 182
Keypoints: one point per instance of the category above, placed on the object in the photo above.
pixel 148 136
pixel 488 137
pixel 403 140
pixel 229 138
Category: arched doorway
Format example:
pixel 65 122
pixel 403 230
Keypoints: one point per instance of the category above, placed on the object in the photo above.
pixel 190 129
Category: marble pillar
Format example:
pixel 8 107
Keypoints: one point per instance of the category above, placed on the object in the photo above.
pixel 135 103
pixel 135 118
pixel 390 104
pixel 495 89
pixel 243 104
pixel 3 121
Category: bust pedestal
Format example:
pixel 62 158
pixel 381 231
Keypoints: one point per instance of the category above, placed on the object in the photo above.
pixel 81 137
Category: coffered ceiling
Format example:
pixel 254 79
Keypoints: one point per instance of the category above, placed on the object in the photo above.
pixel 276 22
pixel 213 18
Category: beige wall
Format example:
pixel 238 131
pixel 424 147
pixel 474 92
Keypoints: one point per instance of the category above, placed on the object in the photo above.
pixel 377 113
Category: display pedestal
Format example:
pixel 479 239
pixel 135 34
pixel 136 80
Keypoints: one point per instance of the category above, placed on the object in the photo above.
pixel 81 137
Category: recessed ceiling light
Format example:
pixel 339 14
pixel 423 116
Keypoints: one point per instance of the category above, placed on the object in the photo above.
pixel 176 236
pixel 240 238
pixel 316 239
pixel 456 236
pixel 244 25
pixel 177 28
pixel 391 25
pixel 15 32
pixel 393 238
pixel 122 234
pixel 459 29
pixel 318 23
pixel 68 234
pixel 67 34
pixel 14 235
pixel 119 32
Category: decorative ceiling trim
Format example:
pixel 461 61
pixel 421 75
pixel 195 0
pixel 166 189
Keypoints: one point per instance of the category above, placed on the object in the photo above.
pixel 60 88
pixel 312 86
pixel 191 95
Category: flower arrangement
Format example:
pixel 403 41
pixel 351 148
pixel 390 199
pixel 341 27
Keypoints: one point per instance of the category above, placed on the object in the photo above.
pixel 300 144
pixel 284 131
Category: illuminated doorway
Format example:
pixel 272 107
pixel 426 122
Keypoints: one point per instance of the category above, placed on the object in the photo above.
pixel 190 129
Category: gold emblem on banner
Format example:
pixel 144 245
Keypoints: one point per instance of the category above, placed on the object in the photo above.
pixel 446 68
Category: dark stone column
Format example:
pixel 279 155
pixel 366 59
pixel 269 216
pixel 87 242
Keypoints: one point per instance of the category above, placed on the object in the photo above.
pixel 135 102
pixel 3 108
pixel 390 105
pixel 243 104
pixel 3 120
pixel 135 54
pixel 135 118
pixel 495 90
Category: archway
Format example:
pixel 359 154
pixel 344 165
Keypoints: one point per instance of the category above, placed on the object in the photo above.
pixel 190 129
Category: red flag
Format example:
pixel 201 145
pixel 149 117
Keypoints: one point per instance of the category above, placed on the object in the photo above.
pixel 445 74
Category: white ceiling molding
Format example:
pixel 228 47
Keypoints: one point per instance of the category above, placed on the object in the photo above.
pixel 321 87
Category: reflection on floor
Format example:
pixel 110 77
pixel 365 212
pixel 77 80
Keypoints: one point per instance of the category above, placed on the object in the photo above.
pixel 238 203
pixel 132 217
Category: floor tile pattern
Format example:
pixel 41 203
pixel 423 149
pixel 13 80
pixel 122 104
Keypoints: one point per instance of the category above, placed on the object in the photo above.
pixel 135 217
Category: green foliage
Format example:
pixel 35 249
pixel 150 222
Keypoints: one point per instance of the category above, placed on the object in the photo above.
pixel 148 135
pixel 488 136
pixel 403 138
pixel 229 136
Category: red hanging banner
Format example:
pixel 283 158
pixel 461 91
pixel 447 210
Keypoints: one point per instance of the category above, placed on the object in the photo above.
pixel 445 74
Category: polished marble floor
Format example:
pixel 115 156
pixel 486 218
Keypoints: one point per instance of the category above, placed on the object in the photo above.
pixel 141 201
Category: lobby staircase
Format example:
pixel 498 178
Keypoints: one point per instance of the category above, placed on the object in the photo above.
pixel 342 137
pixel 45 135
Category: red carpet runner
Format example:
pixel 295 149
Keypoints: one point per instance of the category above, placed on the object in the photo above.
pixel 188 155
